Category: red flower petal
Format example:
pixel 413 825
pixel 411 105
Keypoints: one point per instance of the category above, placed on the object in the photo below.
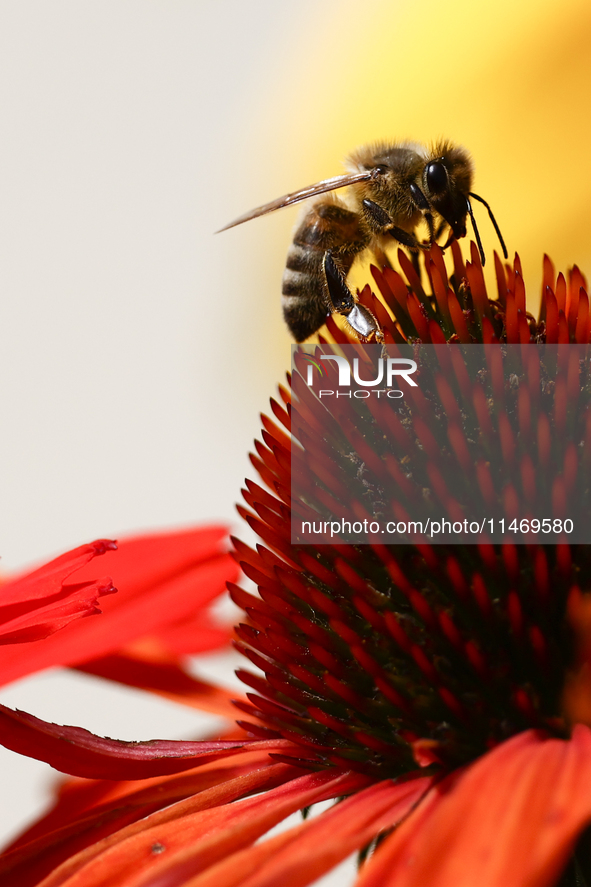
pixel 189 839
pixel 509 820
pixel 303 854
pixel 162 579
pixel 73 830
pixel 81 753
pixel 40 603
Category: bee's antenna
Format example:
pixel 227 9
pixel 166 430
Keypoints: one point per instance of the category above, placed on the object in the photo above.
pixel 478 240
pixel 493 220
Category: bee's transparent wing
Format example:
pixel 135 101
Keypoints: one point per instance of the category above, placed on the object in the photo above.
pixel 303 194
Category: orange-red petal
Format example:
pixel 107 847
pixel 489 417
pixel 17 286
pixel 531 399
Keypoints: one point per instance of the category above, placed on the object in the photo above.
pixel 177 843
pixel 306 852
pixel 72 830
pixel 509 820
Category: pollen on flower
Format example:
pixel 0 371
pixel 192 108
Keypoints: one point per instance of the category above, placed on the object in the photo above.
pixel 381 658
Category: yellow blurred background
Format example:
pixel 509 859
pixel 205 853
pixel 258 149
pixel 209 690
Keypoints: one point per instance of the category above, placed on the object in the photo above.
pixel 511 81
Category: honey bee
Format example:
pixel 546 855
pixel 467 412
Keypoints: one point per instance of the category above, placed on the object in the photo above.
pixel 391 189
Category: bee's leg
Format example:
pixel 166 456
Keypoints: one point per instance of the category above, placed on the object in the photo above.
pixel 423 204
pixel 342 301
pixel 440 229
pixel 383 223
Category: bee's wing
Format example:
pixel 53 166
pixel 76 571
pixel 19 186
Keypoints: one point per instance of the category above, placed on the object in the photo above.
pixel 303 194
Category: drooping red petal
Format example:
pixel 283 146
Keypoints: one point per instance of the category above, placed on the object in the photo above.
pixel 39 603
pixel 81 753
pixel 509 820
pixel 162 579
pixel 171 846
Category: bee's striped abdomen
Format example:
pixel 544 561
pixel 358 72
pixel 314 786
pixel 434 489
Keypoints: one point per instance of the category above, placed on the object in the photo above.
pixel 327 225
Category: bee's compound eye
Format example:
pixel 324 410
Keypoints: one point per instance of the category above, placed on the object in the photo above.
pixel 437 181
pixel 380 170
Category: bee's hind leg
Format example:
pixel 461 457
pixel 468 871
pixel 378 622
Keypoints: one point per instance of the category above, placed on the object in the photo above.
pixel 342 301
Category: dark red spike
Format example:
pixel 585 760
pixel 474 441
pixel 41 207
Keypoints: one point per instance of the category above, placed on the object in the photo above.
pixel 559 498
pixel 544 440
pixel 453 704
pixel 451 632
pixel 280 414
pixel 511 320
pixel 501 280
pixel 457 440
pixel 267 476
pixel 515 614
pixel 541 575
pixel 563 331
pixel 458 319
pixel 325 658
pixel 397 632
pixel 440 288
pixel 436 260
pixel 476 660
pixel 242 552
pixel 511 504
pixel 519 292
pixel 412 277
pixel 528 479
pixel 481 596
pixel 312 565
pixel 488 332
pixel 507 438
pixel 582 320
pixel 523 329
pixel 551 318
pixel 457 578
pixel 489 556
pixel 424 664
pixel 265 498
pixel 344 691
pixel 485 483
pixel 436 334
pixel 344 632
pixel 563 560
pixel 524 704
pixel 459 267
pixel 307 678
pixel 394 286
pixel 240 597
pixel 276 433
pixel 548 274
pixel 340 727
pixel 478 286
pixel 539 647
pixel 419 318
pixel 257 730
pixel 510 556
pixel 561 292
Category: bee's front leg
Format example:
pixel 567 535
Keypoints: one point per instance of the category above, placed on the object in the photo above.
pixel 382 221
pixel 342 301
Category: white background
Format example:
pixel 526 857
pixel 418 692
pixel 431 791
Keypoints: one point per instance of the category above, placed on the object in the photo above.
pixel 136 346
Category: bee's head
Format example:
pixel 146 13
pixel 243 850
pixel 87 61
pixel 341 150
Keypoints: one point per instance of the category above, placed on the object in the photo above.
pixel 446 184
